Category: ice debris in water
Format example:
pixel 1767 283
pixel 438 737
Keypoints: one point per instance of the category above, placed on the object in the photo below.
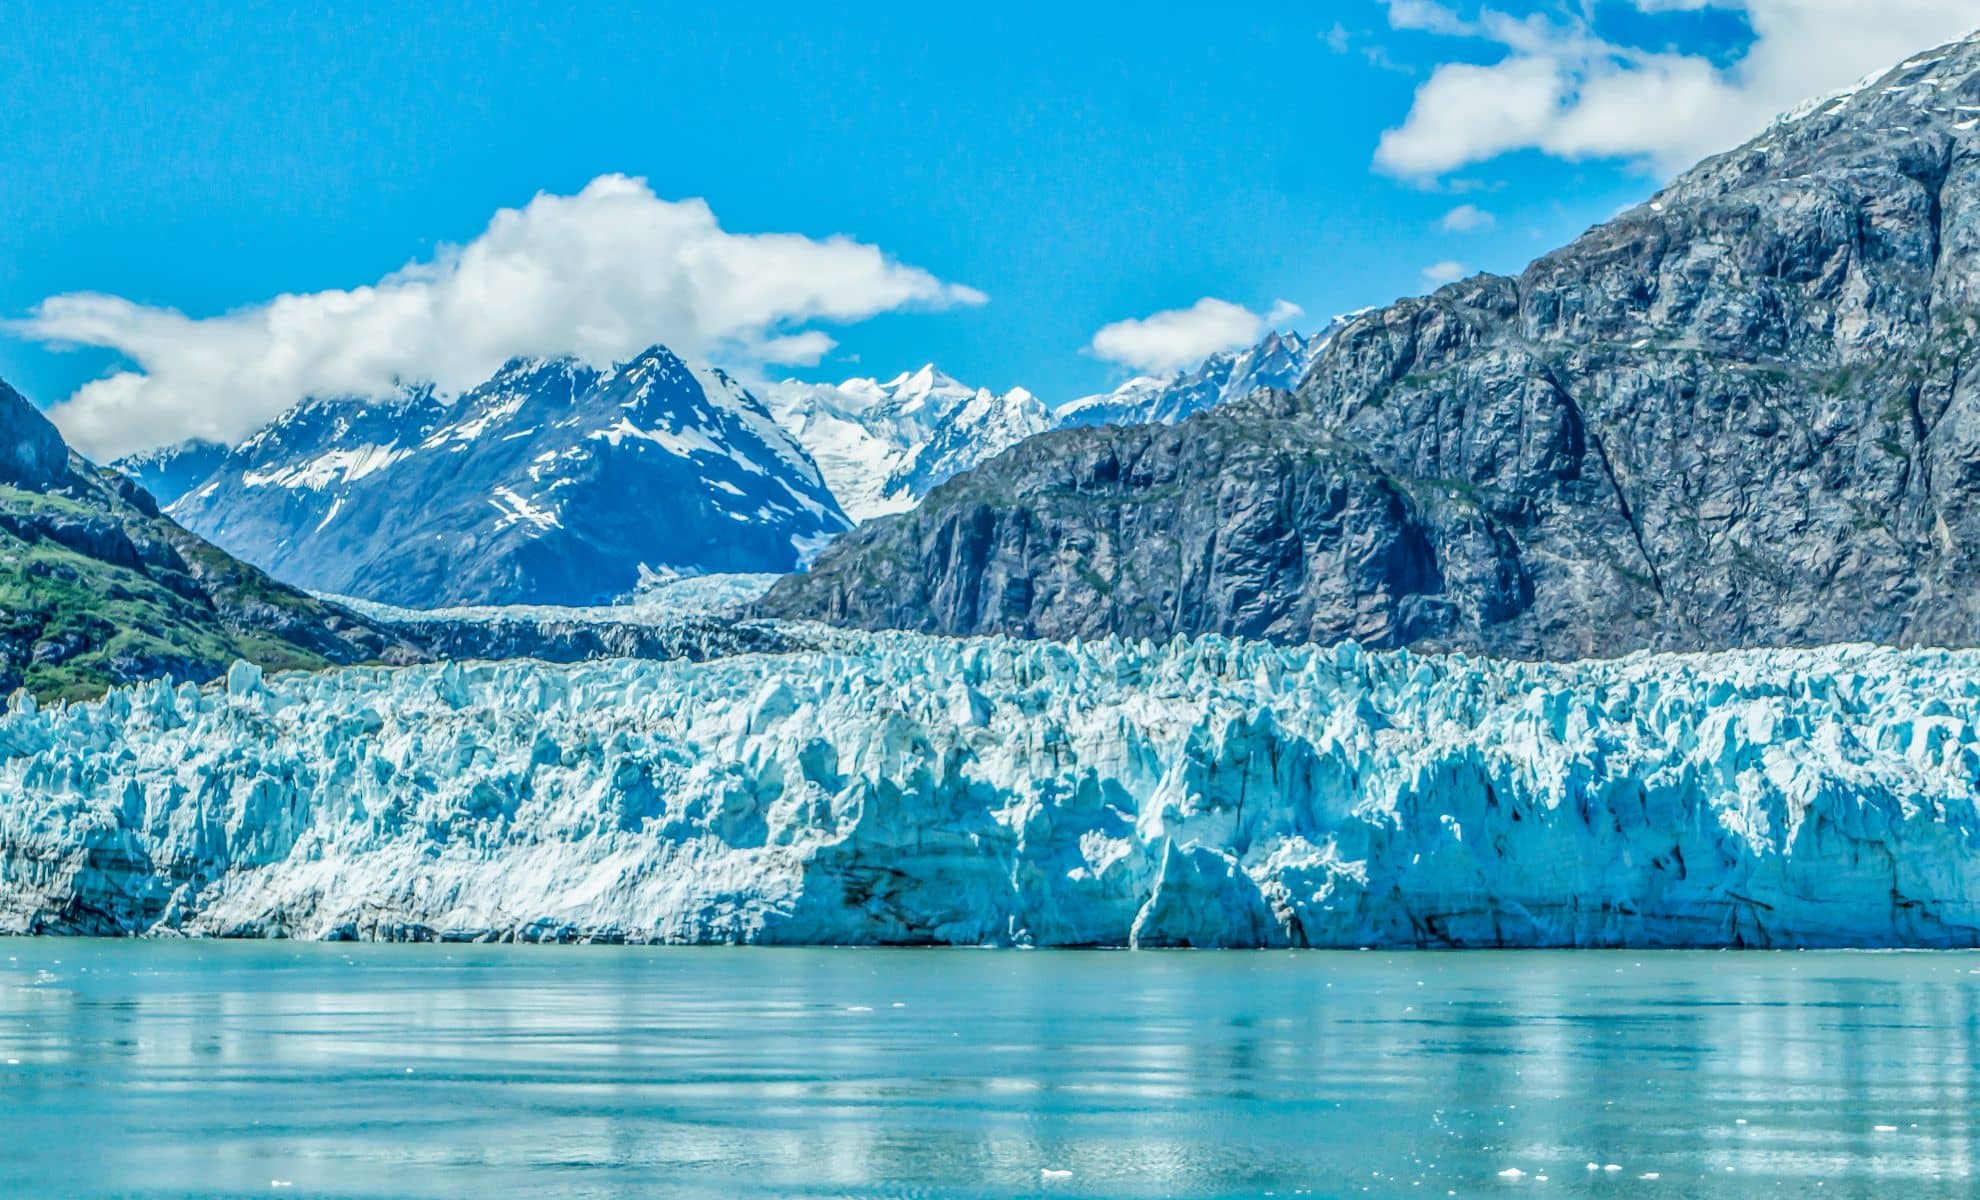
pixel 900 788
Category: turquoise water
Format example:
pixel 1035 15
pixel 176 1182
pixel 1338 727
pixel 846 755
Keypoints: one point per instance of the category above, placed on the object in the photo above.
pixel 203 1069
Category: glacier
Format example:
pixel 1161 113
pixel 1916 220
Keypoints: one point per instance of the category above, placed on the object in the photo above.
pixel 905 789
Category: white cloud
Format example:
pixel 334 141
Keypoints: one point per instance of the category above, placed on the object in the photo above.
pixel 1439 274
pixel 601 274
pixel 1560 89
pixel 1467 218
pixel 1181 337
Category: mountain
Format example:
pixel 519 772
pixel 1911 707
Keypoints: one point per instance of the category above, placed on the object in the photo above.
pixel 171 471
pixel 907 789
pixel 1744 412
pixel 1280 361
pixel 882 446
pixel 98 588
pixel 552 483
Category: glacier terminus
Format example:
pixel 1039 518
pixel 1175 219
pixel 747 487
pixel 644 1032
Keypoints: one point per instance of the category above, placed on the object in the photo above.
pixel 904 789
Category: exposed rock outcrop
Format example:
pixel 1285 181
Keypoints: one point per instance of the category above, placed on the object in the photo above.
pixel 1746 412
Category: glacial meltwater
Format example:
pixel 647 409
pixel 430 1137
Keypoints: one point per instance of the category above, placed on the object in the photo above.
pixel 233 1069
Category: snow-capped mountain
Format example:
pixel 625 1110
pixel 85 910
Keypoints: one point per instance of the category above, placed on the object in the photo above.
pixel 1280 361
pixel 171 471
pixel 883 446
pixel 552 483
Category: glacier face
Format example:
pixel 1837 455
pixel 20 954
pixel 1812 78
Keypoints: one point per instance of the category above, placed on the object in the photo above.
pixel 906 789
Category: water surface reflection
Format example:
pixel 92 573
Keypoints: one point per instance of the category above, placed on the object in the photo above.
pixel 217 1069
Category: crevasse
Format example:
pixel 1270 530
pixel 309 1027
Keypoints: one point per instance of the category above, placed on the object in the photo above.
pixel 908 789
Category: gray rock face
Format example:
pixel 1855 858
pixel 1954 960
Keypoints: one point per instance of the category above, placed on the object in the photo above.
pixel 32 453
pixel 1745 412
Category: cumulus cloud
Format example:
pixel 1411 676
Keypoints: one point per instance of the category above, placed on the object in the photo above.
pixel 601 274
pixel 1181 337
pixel 1559 88
pixel 1439 274
pixel 1467 218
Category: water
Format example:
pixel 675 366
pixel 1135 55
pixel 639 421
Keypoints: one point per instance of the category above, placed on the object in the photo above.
pixel 182 1069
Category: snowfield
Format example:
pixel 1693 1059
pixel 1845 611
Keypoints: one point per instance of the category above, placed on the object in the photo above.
pixel 921 790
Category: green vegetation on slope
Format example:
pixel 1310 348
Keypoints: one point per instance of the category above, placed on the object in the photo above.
pixel 98 588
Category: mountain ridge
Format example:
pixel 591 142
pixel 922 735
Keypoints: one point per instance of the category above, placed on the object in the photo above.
pixel 1280 360
pixel 553 482
pixel 1744 412
pixel 883 445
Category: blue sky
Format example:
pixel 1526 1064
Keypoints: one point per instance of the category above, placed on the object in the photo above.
pixel 1076 165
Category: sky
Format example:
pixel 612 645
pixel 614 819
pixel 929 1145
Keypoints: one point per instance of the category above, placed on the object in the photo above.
pixel 208 210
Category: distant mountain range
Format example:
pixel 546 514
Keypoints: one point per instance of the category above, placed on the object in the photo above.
pixel 552 483
pixel 1280 361
pixel 882 446
pixel 557 483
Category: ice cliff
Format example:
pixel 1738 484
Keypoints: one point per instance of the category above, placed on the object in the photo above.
pixel 918 790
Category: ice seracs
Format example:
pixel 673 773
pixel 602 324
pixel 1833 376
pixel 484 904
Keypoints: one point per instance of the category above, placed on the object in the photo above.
pixel 907 789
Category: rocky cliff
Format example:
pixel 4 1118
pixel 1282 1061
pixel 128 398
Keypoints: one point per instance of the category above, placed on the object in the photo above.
pixel 1744 412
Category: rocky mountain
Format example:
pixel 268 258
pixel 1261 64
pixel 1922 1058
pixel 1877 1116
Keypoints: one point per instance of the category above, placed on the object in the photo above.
pixel 882 446
pixel 1746 411
pixel 97 587
pixel 1280 361
pixel 552 483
